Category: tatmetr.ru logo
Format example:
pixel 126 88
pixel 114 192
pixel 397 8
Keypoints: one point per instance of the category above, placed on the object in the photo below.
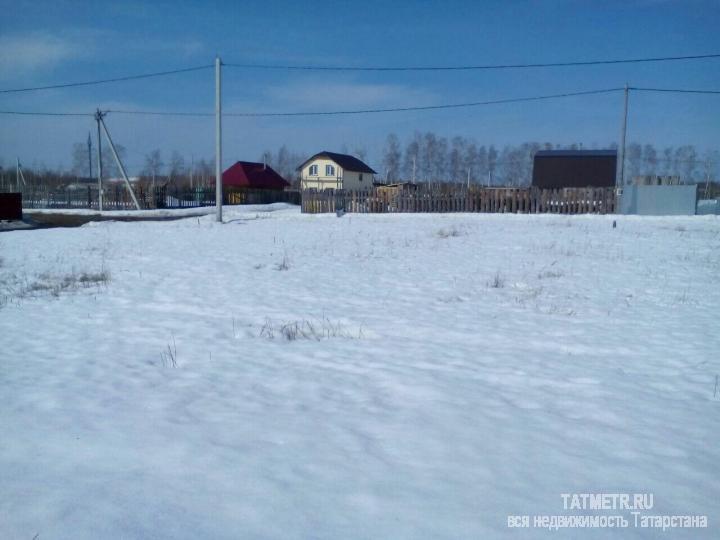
pixel 607 501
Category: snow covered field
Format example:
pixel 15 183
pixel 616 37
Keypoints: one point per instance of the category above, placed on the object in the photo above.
pixel 371 376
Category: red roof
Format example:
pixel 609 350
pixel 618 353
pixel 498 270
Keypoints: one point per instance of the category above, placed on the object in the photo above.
pixel 253 175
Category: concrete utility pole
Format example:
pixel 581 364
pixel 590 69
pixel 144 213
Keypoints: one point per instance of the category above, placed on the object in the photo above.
pixel 19 176
pixel 192 168
pixel 620 182
pixel 119 163
pixel 98 116
pixel 218 140
pixel 89 156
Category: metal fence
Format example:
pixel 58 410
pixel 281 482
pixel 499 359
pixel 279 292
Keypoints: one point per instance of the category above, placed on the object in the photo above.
pixel 117 197
pixel 461 199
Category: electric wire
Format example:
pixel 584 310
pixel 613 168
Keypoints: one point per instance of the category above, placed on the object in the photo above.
pixel 473 67
pixel 105 81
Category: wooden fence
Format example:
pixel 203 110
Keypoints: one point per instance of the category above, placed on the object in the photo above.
pixel 488 200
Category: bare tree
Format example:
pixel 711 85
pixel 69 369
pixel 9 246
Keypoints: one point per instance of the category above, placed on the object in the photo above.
pixel 110 168
pixel 360 152
pixel 686 159
pixel 440 163
pixel 650 159
pixel 267 158
pixel 471 161
pixel 492 156
pixel 633 161
pixel 153 165
pixel 80 159
pixel 667 161
pixel 391 158
pixel 456 171
pixel 205 171
pixel 412 157
pixel 177 166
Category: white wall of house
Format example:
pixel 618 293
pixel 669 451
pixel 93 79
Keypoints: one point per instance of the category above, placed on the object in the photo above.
pixel 357 180
pixel 334 177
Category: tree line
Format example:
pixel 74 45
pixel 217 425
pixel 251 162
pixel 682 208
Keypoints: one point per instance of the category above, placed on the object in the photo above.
pixel 429 157
pixel 423 157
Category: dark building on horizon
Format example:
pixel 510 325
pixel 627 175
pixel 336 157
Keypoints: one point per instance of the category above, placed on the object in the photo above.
pixel 555 169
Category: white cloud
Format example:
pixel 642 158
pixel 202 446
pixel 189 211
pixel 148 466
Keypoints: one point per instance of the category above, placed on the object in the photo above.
pixel 29 52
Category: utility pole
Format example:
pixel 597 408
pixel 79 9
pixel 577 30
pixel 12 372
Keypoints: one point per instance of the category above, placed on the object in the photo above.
pixel 218 140
pixel 119 163
pixel 192 167
pixel 620 183
pixel 89 155
pixel 98 117
pixel 19 176
pixel 468 183
pixel 413 169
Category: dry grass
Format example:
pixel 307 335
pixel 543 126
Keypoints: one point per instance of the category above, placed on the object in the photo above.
pixel 15 287
pixel 284 264
pixel 305 329
pixel 497 282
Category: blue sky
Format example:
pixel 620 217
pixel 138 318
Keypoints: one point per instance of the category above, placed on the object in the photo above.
pixel 60 41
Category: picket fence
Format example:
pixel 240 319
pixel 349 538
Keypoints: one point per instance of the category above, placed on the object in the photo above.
pixel 490 200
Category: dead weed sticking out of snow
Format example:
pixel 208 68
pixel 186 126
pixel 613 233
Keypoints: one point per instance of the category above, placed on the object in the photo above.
pixel 497 282
pixel 304 329
pixel 168 357
pixel 284 264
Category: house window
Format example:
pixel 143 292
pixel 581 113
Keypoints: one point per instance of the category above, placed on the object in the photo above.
pixel 361 177
pixel 313 170
pixel 329 170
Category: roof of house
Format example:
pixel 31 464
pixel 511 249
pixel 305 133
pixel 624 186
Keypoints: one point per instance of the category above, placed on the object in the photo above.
pixel 576 153
pixel 349 163
pixel 253 175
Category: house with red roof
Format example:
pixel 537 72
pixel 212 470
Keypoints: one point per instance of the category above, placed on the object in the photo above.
pixel 250 175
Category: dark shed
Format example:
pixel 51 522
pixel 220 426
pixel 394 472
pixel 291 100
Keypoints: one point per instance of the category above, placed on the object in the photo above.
pixel 554 169
pixel 10 206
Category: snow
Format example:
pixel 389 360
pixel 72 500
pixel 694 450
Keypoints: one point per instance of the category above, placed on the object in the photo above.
pixel 448 371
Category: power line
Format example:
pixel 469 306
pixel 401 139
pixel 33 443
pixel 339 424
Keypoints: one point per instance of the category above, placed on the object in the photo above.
pixel 34 113
pixel 366 111
pixel 675 90
pixel 105 81
pixel 474 67
pixel 373 111
pixel 160 113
